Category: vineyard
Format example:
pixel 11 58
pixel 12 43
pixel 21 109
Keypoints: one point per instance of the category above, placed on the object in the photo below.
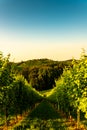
pixel 62 108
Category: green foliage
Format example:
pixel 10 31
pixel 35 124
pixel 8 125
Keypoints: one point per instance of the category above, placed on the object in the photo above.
pixel 6 79
pixel 20 94
pixel 41 73
pixel 16 96
pixel 58 96
pixel 24 95
pixel 75 80
pixel 42 78
pixel 71 93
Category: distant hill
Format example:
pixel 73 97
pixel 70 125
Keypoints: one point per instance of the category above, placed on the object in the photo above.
pixel 41 73
pixel 40 62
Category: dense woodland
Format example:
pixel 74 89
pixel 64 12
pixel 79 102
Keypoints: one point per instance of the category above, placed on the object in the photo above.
pixel 41 73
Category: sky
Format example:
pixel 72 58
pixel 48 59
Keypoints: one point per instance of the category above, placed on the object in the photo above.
pixel 34 29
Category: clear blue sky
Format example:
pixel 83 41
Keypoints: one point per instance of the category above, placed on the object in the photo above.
pixel 55 29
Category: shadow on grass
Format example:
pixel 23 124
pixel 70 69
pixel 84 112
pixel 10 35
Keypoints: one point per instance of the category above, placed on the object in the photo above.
pixel 43 117
pixel 44 111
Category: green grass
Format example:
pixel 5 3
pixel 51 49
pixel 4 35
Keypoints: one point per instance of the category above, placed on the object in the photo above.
pixel 44 111
pixel 45 92
pixel 43 117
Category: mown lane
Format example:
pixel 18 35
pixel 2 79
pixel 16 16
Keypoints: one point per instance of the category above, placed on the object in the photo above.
pixel 43 117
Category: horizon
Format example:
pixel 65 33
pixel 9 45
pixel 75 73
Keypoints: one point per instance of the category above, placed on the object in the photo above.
pixel 52 29
pixel 41 59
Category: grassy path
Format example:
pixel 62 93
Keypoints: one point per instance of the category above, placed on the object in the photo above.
pixel 44 117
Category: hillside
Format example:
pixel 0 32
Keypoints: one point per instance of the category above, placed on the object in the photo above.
pixel 41 73
pixel 44 61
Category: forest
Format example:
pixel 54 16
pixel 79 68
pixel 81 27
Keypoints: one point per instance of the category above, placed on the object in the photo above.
pixel 41 73
pixel 53 93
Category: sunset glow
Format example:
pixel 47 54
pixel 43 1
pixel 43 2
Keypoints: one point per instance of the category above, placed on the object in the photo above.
pixel 51 29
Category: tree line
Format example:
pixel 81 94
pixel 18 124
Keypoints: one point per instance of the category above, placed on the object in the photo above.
pixel 41 73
